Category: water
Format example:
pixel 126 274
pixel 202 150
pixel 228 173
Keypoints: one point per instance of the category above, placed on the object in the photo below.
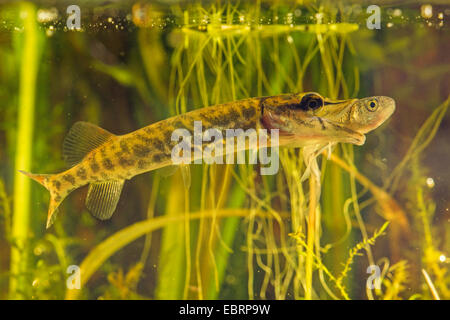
pixel 129 64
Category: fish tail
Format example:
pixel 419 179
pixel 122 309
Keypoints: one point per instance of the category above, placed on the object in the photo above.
pixel 55 198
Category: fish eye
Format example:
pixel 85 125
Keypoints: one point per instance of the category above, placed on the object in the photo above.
pixel 311 101
pixel 372 105
pixel 312 104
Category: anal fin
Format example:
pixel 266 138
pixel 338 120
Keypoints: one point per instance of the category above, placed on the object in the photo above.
pixel 102 198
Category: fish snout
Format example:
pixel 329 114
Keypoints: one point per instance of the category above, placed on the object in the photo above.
pixel 388 106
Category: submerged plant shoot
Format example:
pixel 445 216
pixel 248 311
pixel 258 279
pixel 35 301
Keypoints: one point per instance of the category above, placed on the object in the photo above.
pixel 218 150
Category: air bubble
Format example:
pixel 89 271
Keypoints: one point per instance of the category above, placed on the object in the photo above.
pixel 426 10
pixel 35 283
pixel 47 15
pixel 397 12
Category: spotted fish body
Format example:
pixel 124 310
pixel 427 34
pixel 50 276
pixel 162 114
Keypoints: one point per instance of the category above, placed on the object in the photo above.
pixel 104 160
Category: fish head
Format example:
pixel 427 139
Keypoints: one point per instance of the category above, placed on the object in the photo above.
pixel 308 118
pixel 367 114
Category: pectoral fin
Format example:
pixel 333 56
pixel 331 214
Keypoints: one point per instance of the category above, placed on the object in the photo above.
pixel 102 198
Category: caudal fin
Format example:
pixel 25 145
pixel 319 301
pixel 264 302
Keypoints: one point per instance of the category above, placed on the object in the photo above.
pixel 55 199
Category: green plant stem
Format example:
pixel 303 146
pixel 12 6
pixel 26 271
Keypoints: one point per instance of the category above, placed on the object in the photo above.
pixel 229 231
pixel 19 286
pixel 311 236
pixel 172 262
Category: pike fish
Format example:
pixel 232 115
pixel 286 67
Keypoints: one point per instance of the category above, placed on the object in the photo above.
pixel 104 161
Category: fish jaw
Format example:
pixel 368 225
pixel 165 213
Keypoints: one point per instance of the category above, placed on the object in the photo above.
pixel 299 130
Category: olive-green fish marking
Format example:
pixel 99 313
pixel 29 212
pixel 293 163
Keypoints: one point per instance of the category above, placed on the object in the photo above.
pixel 81 173
pixel 107 163
pixel 69 178
pixel 94 166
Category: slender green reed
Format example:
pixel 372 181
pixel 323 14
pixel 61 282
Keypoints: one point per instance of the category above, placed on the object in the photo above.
pixel 19 283
pixel 172 257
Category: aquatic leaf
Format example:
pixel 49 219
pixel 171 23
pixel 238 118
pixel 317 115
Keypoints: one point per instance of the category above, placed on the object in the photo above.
pixel 121 73
pixel 98 255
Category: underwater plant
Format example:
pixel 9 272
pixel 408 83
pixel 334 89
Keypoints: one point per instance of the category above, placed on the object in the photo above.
pixel 218 231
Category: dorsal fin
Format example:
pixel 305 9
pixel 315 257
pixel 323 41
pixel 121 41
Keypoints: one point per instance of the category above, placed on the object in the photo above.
pixel 82 138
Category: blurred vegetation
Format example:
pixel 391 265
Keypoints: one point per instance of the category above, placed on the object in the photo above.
pixel 224 231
